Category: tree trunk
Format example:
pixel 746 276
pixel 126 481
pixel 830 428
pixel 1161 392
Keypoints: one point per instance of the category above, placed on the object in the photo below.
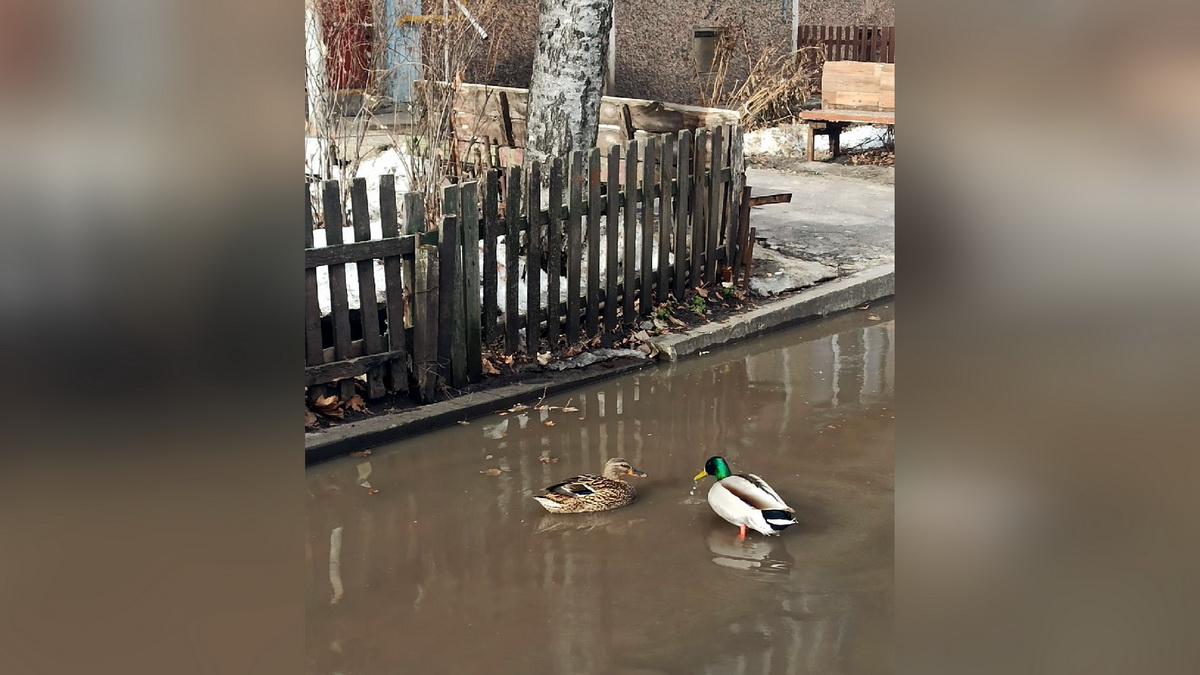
pixel 568 77
pixel 564 92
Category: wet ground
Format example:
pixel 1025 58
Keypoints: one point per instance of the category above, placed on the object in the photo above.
pixel 450 570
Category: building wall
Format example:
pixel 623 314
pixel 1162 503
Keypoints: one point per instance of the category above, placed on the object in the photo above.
pixel 654 39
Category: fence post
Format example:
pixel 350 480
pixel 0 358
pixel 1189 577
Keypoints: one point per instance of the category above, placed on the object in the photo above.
pixel 700 178
pixel 533 259
pixel 394 288
pixel 630 261
pixel 649 162
pixel 452 348
pixel 491 231
pixel 339 303
pixel 473 348
pixel 666 221
pixel 574 243
pixel 716 194
pixel 512 248
pixel 425 324
pixel 612 211
pixel 554 252
pixel 683 208
pixel 592 313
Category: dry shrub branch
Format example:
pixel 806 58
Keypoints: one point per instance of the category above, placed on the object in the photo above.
pixel 770 85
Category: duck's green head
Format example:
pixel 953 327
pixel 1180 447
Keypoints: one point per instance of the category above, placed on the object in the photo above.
pixel 716 467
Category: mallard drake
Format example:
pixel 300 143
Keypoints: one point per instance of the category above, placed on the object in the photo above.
pixel 589 492
pixel 745 500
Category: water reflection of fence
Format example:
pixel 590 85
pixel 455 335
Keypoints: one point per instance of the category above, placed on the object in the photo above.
pixel 618 235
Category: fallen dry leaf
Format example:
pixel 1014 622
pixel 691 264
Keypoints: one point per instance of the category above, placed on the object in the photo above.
pixel 872 317
pixel 361 453
pixel 357 404
pixel 463 422
pixel 549 423
pixel 701 291
pixel 518 408
pixel 507 360
pixel 373 491
pixel 677 322
pixel 548 460
pixel 310 420
pixel 329 406
pixel 641 335
pixel 866 306
pixel 491 472
pixel 543 358
pixel 570 409
pixel 489 369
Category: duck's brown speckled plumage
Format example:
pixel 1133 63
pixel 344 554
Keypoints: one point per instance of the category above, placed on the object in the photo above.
pixel 588 492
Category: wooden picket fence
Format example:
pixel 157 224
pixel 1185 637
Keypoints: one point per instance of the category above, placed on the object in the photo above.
pixel 647 221
pixel 875 44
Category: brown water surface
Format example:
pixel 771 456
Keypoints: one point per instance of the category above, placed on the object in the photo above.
pixel 447 570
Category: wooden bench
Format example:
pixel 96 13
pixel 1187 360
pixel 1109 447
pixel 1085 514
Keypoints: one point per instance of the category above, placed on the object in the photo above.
pixel 851 92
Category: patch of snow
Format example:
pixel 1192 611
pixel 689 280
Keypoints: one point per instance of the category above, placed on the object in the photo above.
pixel 787 140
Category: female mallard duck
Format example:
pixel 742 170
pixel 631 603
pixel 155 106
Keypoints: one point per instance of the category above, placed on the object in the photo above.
pixel 589 492
pixel 745 500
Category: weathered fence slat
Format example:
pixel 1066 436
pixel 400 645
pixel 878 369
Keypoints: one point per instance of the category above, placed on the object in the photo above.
pixel 554 253
pixel 593 243
pixel 612 224
pixel 716 203
pixel 367 298
pixel 574 245
pixel 666 220
pixel 451 334
pixel 313 352
pixel 512 245
pixel 414 224
pixel 630 258
pixel 649 164
pixel 533 260
pixel 491 231
pixel 683 208
pixel 699 211
pixel 425 325
pixel 339 302
pixel 472 338
pixel 394 287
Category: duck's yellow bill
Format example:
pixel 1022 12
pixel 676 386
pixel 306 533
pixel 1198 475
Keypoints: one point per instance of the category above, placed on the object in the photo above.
pixel 700 475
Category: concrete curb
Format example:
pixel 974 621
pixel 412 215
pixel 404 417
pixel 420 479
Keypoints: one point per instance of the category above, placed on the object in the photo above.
pixel 352 436
pixel 827 298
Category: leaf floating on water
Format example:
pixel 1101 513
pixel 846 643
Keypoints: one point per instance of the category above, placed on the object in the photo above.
pixel 570 409
pixel 361 453
pixel 872 317
pixel 548 460
pixel 518 408
pixel 549 423
pixel 373 491
pixel 463 422
pixel 491 472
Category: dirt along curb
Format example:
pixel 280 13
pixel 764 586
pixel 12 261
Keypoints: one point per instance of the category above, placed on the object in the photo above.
pixel 827 298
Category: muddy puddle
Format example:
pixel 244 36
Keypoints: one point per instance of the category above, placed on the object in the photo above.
pixel 447 569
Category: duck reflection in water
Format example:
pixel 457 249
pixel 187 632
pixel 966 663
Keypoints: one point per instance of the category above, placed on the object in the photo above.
pixel 757 554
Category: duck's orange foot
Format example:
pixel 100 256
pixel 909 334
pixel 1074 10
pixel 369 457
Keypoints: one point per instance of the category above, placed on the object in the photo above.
pixel 741 533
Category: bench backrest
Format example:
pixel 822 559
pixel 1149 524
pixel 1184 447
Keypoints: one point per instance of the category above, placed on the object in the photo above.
pixel 858 85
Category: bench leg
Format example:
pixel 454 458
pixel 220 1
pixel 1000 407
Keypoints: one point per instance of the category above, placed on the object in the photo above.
pixel 809 143
pixel 835 140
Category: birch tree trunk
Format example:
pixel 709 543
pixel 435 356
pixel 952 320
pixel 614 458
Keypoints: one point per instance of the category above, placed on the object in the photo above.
pixel 568 77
